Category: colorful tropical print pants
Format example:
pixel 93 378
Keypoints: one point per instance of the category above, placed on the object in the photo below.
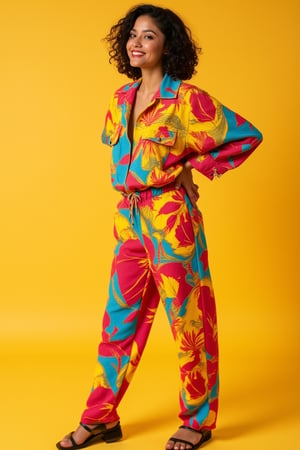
pixel 160 254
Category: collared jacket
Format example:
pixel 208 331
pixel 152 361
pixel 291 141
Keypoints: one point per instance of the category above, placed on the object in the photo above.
pixel 181 123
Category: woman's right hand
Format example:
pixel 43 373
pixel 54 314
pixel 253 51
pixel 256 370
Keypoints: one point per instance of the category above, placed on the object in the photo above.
pixel 185 179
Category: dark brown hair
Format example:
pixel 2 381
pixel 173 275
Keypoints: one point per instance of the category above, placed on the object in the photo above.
pixel 181 58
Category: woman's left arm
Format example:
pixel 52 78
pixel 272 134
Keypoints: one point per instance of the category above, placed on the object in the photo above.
pixel 219 139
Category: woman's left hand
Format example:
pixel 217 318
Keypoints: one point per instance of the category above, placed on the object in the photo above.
pixel 185 179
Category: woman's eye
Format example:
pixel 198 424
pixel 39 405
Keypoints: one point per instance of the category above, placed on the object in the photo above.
pixel 131 35
pixel 148 36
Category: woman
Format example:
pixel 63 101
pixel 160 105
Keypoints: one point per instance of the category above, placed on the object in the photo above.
pixel 159 128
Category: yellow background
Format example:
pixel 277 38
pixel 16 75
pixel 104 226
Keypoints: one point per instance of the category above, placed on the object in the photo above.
pixel 56 224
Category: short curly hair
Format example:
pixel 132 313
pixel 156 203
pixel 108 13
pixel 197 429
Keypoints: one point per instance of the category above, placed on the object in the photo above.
pixel 181 58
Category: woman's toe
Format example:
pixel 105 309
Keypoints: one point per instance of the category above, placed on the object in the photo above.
pixel 66 442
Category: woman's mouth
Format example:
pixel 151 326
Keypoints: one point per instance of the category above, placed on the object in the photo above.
pixel 136 53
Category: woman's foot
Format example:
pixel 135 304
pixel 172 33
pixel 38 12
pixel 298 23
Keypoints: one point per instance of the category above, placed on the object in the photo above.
pixel 186 438
pixel 81 435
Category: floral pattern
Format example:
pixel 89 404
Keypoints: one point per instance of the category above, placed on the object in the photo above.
pixel 161 252
pixel 160 255
pixel 182 123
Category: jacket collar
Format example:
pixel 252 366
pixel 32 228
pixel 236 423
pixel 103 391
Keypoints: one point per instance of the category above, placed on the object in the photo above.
pixel 168 88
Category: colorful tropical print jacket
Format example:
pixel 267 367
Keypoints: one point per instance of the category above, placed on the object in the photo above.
pixel 181 123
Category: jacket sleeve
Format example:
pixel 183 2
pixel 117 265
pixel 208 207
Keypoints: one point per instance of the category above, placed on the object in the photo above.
pixel 218 139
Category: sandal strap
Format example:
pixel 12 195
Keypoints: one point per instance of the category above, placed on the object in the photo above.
pixel 74 443
pixel 205 436
pixel 182 441
pixel 96 430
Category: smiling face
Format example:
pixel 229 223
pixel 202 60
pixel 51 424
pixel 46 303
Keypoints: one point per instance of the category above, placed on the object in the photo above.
pixel 145 45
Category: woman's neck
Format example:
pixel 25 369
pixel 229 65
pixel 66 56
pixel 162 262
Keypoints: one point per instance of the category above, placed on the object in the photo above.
pixel 151 82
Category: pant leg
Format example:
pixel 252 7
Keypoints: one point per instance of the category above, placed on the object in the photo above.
pixel 133 300
pixel 174 238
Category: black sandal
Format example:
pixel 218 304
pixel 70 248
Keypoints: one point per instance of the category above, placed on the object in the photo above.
pixel 98 434
pixel 205 436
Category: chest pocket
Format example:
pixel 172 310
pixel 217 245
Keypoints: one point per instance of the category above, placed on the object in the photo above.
pixel 163 135
pixel 115 136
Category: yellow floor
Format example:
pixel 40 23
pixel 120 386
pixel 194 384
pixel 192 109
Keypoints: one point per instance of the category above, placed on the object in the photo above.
pixel 44 386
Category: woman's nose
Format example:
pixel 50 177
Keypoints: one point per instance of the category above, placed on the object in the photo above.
pixel 137 41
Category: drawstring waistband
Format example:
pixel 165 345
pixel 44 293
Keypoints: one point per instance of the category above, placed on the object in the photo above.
pixel 133 198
